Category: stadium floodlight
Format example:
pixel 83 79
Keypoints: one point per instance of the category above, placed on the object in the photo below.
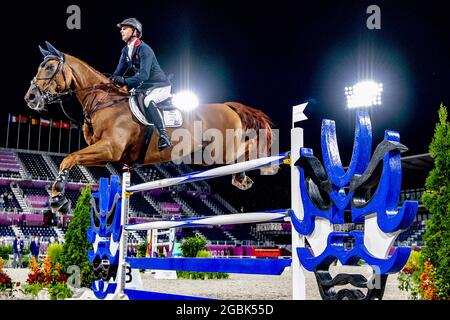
pixel 364 94
pixel 185 100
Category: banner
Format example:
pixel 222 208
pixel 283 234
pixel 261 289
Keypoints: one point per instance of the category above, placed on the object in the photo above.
pixel 65 125
pixel 45 123
pixel 73 126
pixel 20 119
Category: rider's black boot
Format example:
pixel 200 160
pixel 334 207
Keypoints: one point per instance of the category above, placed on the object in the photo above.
pixel 155 116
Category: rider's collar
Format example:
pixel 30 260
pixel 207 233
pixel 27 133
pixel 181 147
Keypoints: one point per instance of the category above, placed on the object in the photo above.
pixel 136 42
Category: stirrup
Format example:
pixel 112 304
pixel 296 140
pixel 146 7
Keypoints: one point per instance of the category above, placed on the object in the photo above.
pixel 163 142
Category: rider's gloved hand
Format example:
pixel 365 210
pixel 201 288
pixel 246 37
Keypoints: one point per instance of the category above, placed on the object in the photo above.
pixel 120 81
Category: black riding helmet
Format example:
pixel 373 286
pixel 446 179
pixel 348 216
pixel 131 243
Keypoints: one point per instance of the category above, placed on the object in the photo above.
pixel 132 22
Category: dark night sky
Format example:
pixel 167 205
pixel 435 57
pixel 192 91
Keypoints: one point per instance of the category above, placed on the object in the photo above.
pixel 267 55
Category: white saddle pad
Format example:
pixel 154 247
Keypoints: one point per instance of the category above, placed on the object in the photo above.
pixel 172 118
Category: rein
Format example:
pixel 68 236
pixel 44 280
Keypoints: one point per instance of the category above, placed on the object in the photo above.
pixel 49 98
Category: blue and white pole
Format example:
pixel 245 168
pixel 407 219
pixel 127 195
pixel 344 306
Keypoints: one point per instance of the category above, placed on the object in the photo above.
pixel 212 173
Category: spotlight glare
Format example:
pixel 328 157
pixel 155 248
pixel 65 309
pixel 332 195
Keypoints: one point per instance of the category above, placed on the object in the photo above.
pixel 186 101
pixel 364 94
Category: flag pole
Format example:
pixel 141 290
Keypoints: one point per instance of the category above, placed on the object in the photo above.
pixel 18 132
pixel 50 134
pixel 29 129
pixel 59 143
pixel 70 135
pixel 7 131
pixel 39 138
pixel 79 136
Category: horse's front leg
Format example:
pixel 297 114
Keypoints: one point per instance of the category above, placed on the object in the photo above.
pixel 98 154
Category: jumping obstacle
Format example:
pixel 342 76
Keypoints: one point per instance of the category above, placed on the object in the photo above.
pixel 319 197
pixel 152 238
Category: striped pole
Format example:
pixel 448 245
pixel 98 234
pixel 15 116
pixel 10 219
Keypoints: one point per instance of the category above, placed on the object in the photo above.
pixel 237 218
pixel 212 173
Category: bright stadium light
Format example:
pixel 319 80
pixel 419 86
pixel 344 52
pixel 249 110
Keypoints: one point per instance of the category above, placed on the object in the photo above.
pixel 364 94
pixel 186 101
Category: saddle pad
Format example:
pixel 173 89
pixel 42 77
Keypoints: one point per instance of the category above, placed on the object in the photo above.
pixel 172 118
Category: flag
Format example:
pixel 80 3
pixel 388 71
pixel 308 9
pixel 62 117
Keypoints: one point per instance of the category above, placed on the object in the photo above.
pixel 22 119
pixel 34 121
pixel 45 123
pixel 56 124
pixel 65 125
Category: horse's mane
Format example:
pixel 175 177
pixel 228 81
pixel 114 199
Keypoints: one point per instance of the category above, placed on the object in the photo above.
pixel 104 79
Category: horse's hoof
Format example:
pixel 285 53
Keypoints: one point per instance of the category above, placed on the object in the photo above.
pixel 60 204
pixel 59 186
pixel 269 171
pixel 245 184
pixel 65 208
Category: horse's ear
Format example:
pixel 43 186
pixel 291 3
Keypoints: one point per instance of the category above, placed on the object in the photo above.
pixel 44 52
pixel 52 49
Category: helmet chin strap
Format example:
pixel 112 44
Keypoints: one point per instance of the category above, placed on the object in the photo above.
pixel 130 39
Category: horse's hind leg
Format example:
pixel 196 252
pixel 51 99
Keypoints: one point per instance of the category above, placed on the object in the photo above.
pixel 241 181
pixel 269 171
pixel 97 154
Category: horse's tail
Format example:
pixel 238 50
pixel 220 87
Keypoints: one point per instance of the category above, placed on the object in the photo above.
pixel 252 118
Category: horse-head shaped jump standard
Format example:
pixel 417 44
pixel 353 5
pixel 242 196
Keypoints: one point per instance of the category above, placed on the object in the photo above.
pixel 113 134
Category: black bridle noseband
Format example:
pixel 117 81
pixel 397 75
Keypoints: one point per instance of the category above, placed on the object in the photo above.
pixel 46 96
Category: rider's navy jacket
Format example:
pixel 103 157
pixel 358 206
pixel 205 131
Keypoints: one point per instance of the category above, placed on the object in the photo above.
pixel 143 71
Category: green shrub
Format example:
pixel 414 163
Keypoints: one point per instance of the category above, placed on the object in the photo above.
pixel 59 291
pixel 25 262
pixel 5 251
pixel 436 199
pixel 191 246
pixel 76 244
pixel 203 254
pixel 197 245
pixel 33 288
pixel 142 248
pixel 54 251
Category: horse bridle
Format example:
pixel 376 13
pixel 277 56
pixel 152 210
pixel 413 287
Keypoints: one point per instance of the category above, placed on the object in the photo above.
pixel 47 97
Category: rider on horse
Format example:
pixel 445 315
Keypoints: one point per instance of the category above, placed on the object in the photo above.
pixel 139 70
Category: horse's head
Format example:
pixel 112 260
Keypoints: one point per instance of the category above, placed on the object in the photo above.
pixel 52 79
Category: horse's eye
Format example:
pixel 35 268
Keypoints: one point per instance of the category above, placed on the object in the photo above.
pixel 49 67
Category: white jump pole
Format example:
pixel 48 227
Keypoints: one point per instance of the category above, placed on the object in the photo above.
pixel 121 271
pixel 212 173
pixel 298 272
pixel 236 218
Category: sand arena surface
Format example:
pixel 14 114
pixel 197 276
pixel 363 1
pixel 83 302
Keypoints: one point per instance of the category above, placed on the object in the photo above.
pixel 237 286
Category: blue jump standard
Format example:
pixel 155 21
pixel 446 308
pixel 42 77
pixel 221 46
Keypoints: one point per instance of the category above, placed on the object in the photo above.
pixel 229 265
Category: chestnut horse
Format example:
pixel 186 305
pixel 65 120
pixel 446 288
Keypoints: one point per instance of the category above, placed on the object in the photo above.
pixel 111 131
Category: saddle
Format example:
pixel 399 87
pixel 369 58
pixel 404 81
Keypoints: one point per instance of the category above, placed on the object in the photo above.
pixel 171 115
